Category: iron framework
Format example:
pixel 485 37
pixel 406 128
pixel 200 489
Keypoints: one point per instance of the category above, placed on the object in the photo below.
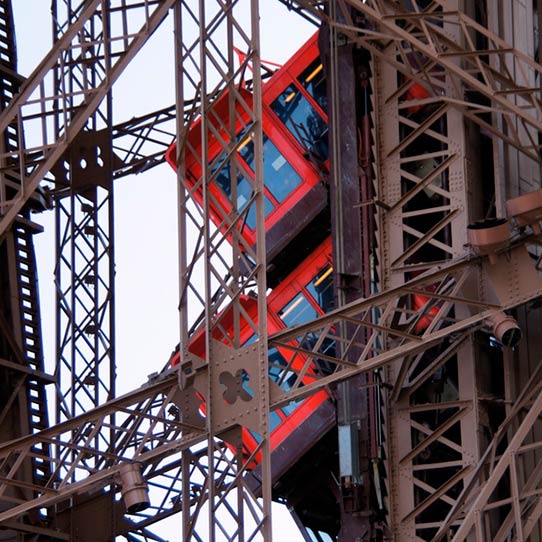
pixel 476 82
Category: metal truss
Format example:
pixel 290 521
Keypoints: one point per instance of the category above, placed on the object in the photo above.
pixel 141 143
pixel 190 454
pixel 485 76
pixel 83 196
pixel 213 257
pixel 69 92
pixel 503 465
pixel 24 409
pixel 84 281
pixel 456 290
pixel 145 430
pixel 423 177
pixel 164 418
pixel 424 214
pixel 83 203
pixel 150 432
pixel 84 272
pixel 95 43
pixel 468 73
pixel 55 120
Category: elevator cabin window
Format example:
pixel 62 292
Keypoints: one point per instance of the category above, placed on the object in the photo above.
pixel 296 124
pixel 313 280
pixel 315 298
pixel 280 178
pixel 308 295
pixel 297 96
pixel 302 120
pixel 305 294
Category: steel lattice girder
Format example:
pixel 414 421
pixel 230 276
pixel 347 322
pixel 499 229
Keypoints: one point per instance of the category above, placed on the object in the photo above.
pixel 207 75
pixel 443 299
pixel 149 431
pixel 500 73
pixel 71 110
pixel 524 503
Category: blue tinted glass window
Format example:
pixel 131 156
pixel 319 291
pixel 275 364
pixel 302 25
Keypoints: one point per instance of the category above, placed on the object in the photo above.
pixel 274 421
pixel 276 363
pixel 285 380
pixel 223 179
pixel 300 117
pixel 290 407
pixel 321 289
pixel 298 311
pixel 313 80
pixel 244 193
pixel 251 215
pixel 280 177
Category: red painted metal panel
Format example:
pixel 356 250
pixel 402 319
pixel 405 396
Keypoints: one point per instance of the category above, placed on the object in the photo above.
pixel 283 151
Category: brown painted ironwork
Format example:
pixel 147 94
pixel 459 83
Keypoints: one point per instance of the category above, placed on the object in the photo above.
pixel 421 252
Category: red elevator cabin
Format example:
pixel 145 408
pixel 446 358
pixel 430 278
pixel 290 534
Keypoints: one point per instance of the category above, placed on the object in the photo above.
pixel 304 295
pixel 300 273
pixel 295 153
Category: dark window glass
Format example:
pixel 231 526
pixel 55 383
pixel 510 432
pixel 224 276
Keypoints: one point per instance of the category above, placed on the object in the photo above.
pixel 251 214
pixel 274 421
pixel 285 380
pixel 244 193
pixel 298 311
pixel 327 347
pixel 244 186
pixel 313 80
pixel 276 363
pixel 300 117
pixel 321 289
pixel 276 370
pixel 223 178
pixel 280 177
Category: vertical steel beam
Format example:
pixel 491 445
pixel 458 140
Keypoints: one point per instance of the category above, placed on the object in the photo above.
pixel 211 260
pixel 20 307
pixel 423 184
pixel 353 242
pixel 83 196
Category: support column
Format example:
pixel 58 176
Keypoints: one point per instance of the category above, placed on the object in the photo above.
pixel 424 179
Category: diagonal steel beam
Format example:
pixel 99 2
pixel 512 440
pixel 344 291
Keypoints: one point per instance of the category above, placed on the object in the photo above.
pixel 506 462
pixel 149 428
pixel 32 164
pixel 473 72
